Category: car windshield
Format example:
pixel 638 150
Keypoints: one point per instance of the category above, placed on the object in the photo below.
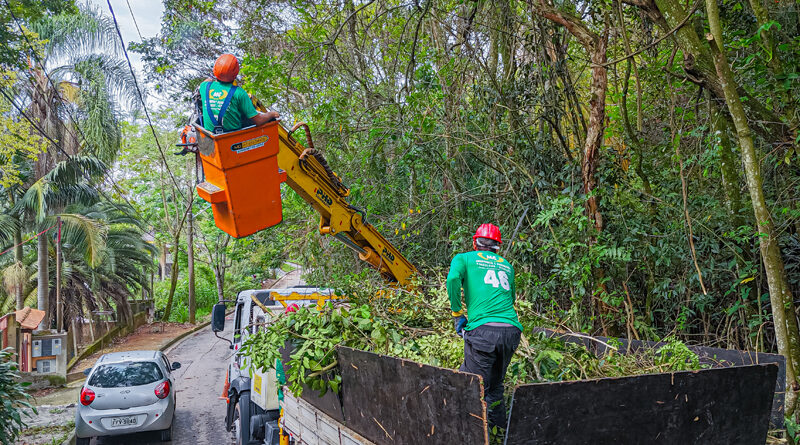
pixel 125 374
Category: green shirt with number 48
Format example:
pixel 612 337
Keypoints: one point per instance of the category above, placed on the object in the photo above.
pixel 488 283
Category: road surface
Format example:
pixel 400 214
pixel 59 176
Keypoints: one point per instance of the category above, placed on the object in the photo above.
pixel 200 414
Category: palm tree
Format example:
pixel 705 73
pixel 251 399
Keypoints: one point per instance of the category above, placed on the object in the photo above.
pixel 66 183
pixel 104 279
pixel 104 252
pixel 74 91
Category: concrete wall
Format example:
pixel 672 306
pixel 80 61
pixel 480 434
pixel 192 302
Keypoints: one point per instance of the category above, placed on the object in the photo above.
pixel 119 331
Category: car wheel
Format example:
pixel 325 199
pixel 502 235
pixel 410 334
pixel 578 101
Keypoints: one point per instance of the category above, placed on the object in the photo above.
pixel 82 440
pixel 166 435
pixel 241 420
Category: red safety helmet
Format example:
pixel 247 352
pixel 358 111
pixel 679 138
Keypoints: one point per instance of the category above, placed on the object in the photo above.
pixel 490 231
pixel 226 68
pixel 292 308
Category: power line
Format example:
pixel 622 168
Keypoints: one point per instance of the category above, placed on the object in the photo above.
pixel 29 239
pixel 69 113
pixel 141 98
pixel 134 21
pixel 60 148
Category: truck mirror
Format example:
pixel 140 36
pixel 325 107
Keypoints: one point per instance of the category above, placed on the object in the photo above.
pixel 218 317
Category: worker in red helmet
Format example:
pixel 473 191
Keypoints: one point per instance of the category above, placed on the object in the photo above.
pixel 226 106
pixel 492 332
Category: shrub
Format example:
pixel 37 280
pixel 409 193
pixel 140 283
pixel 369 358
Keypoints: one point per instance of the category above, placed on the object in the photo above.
pixel 13 399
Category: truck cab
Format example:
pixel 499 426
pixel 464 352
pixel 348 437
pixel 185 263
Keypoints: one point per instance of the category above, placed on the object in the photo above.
pixel 252 394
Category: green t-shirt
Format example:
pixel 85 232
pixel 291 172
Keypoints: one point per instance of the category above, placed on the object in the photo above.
pixel 239 112
pixel 488 283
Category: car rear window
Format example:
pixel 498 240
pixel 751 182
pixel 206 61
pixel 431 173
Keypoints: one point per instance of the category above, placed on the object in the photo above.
pixel 118 375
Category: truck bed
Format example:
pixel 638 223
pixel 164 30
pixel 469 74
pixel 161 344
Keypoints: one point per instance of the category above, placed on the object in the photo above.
pixel 309 426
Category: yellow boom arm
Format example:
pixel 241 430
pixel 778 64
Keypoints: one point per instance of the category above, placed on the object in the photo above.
pixel 243 171
pixel 307 174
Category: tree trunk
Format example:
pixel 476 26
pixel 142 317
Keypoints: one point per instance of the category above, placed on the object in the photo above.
pixel 190 250
pixel 595 46
pixel 762 17
pixel 173 278
pixel 633 136
pixel 699 65
pixel 18 259
pixel 219 277
pixel 594 135
pixel 783 312
pixel 59 303
pixel 43 289
pixel 162 260
pixel 17 254
pixel 729 164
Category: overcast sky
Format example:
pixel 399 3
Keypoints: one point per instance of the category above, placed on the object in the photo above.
pixel 148 17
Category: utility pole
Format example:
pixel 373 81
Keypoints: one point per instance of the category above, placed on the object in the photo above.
pixel 43 286
pixel 150 295
pixel 59 303
pixel 190 245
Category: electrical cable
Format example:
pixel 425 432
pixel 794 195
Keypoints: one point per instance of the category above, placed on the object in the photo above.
pixel 31 238
pixel 141 98
pixel 60 148
pixel 134 21
pixel 69 113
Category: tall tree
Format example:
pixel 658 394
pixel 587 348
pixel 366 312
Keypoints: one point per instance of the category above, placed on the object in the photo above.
pixel 783 309
pixel 93 81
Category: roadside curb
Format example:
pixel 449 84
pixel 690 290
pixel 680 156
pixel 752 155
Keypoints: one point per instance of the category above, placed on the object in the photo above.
pixel 70 440
pixel 183 335
pixel 75 376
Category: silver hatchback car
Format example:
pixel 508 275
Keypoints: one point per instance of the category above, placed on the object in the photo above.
pixel 127 392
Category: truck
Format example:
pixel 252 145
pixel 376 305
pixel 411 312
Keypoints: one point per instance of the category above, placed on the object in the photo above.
pixel 385 400
pixel 253 407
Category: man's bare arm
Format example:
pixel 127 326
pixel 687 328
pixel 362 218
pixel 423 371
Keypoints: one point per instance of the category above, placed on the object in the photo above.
pixel 263 118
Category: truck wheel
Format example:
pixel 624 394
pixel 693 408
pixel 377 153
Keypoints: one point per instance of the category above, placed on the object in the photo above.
pixel 241 419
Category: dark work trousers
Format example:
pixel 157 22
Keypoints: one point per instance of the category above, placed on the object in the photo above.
pixel 487 352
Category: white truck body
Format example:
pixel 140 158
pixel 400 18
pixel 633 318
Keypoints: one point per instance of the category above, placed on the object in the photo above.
pixel 301 421
pixel 307 425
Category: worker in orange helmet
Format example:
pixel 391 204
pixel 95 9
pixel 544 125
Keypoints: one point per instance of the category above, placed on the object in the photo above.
pixel 492 333
pixel 226 106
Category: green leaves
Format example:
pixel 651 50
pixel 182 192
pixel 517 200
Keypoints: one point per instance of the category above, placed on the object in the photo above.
pixel 405 325
pixel 14 399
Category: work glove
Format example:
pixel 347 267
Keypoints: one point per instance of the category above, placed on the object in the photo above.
pixel 460 322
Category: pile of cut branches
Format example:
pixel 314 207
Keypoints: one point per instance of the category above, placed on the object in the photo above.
pixel 418 327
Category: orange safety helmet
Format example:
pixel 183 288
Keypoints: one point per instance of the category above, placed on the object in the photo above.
pixel 226 68
pixel 490 231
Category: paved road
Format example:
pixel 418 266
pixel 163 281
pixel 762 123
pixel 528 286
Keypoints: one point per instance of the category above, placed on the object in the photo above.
pixel 200 415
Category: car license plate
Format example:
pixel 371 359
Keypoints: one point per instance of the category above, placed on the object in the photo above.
pixel 123 421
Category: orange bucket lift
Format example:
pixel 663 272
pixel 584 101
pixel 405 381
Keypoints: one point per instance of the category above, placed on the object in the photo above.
pixel 242 178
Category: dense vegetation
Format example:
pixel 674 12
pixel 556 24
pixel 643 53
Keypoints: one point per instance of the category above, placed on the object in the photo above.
pixel 640 156
pixel 411 325
pixel 15 399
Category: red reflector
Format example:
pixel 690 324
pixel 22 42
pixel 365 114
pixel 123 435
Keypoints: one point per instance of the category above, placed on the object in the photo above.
pixel 162 390
pixel 87 396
